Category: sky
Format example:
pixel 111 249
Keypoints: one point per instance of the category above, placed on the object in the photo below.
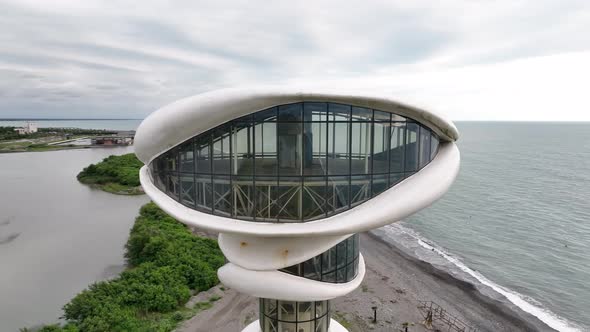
pixel 511 60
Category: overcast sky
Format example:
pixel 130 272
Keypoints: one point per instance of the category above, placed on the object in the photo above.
pixel 472 59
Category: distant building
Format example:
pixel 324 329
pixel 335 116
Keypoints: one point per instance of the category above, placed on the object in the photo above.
pixel 121 138
pixel 29 128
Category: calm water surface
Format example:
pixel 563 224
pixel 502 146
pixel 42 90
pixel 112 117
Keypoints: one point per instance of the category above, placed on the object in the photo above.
pixel 56 235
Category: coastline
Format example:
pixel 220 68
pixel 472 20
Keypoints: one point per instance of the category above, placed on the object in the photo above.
pixel 394 283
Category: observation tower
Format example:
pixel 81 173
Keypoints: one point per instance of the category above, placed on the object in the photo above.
pixel 289 178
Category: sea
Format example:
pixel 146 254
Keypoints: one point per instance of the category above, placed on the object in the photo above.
pixel 516 222
pixel 517 219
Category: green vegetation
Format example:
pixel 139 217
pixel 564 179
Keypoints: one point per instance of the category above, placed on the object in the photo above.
pixel 115 174
pixel 167 263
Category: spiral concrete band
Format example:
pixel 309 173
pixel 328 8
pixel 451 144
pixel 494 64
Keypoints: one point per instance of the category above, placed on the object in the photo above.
pixel 289 178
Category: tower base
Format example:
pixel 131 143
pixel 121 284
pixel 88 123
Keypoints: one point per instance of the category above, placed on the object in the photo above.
pixel 334 327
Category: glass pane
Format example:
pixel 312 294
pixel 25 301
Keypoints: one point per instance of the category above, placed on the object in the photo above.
pixel 266 205
pixel 222 198
pixel 396 146
pixel 329 277
pixel 338 145
pixel 350 272
pixel 287 311
pixel 305 312
pixel 329 260
pixel 349 249
pixel 424 146
pixel 411 147
pixel 270 308
pixel 337 194
pixel 341 275
pixel 290 149
pixel 291 112
pixel 161 181
pixel 381 140
pixel 312 268
pixel 266 148
pixel 314 146
pixel 380 183
pixel 266 115
pixel 221 150
pixel 287 327
pixel 321 308
pixel 172 185
pixel 382 116
pixel 362 114
pixel 433 146
pixel 293 269
pixel 204 192
pixel 171 161
pixel 243 187
pixel 243 149
pixel 186 157
pixel 160 163
pixel 270 325
pixel 321 325
pixel 187 189
pixel 395 178
pixel 314 198
pixel 288 196
pixel 203 153
pixel 338 112
pixel 305 327
pixel 360 189
pixel 341 254
pixel 315 111
pixel 361 147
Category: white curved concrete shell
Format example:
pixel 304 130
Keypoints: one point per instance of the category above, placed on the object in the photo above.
pixel 313 259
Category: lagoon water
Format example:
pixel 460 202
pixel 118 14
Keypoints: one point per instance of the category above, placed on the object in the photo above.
pixel 56 235
pixel 517 218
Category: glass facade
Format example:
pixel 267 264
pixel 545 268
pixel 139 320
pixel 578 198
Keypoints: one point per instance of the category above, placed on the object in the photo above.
pixel 338 264
pixel 292 316
pixel 295 162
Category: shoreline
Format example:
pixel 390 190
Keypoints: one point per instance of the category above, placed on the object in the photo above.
pixel 395 282
pixel 487 309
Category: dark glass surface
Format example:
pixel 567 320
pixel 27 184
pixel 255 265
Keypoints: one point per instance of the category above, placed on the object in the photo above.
pixel 283 316
pixel 338 264
pixel 294 163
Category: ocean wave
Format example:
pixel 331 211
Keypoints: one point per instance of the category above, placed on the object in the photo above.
pixel 410 239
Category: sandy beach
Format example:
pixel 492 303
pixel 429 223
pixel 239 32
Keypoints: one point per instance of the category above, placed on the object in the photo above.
pixel 395 283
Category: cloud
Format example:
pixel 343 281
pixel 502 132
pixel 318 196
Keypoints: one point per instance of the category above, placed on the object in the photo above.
pixel 516 60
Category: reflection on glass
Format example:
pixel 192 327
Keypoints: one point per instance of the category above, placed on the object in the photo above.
pixel 338 264
pixel 381 140
pixel 338 148
pixel 314 148
pixel 294 163
pixel 315 111
pixel 187 189
pixel 411 146
pixel 361 147
pixel 283 316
